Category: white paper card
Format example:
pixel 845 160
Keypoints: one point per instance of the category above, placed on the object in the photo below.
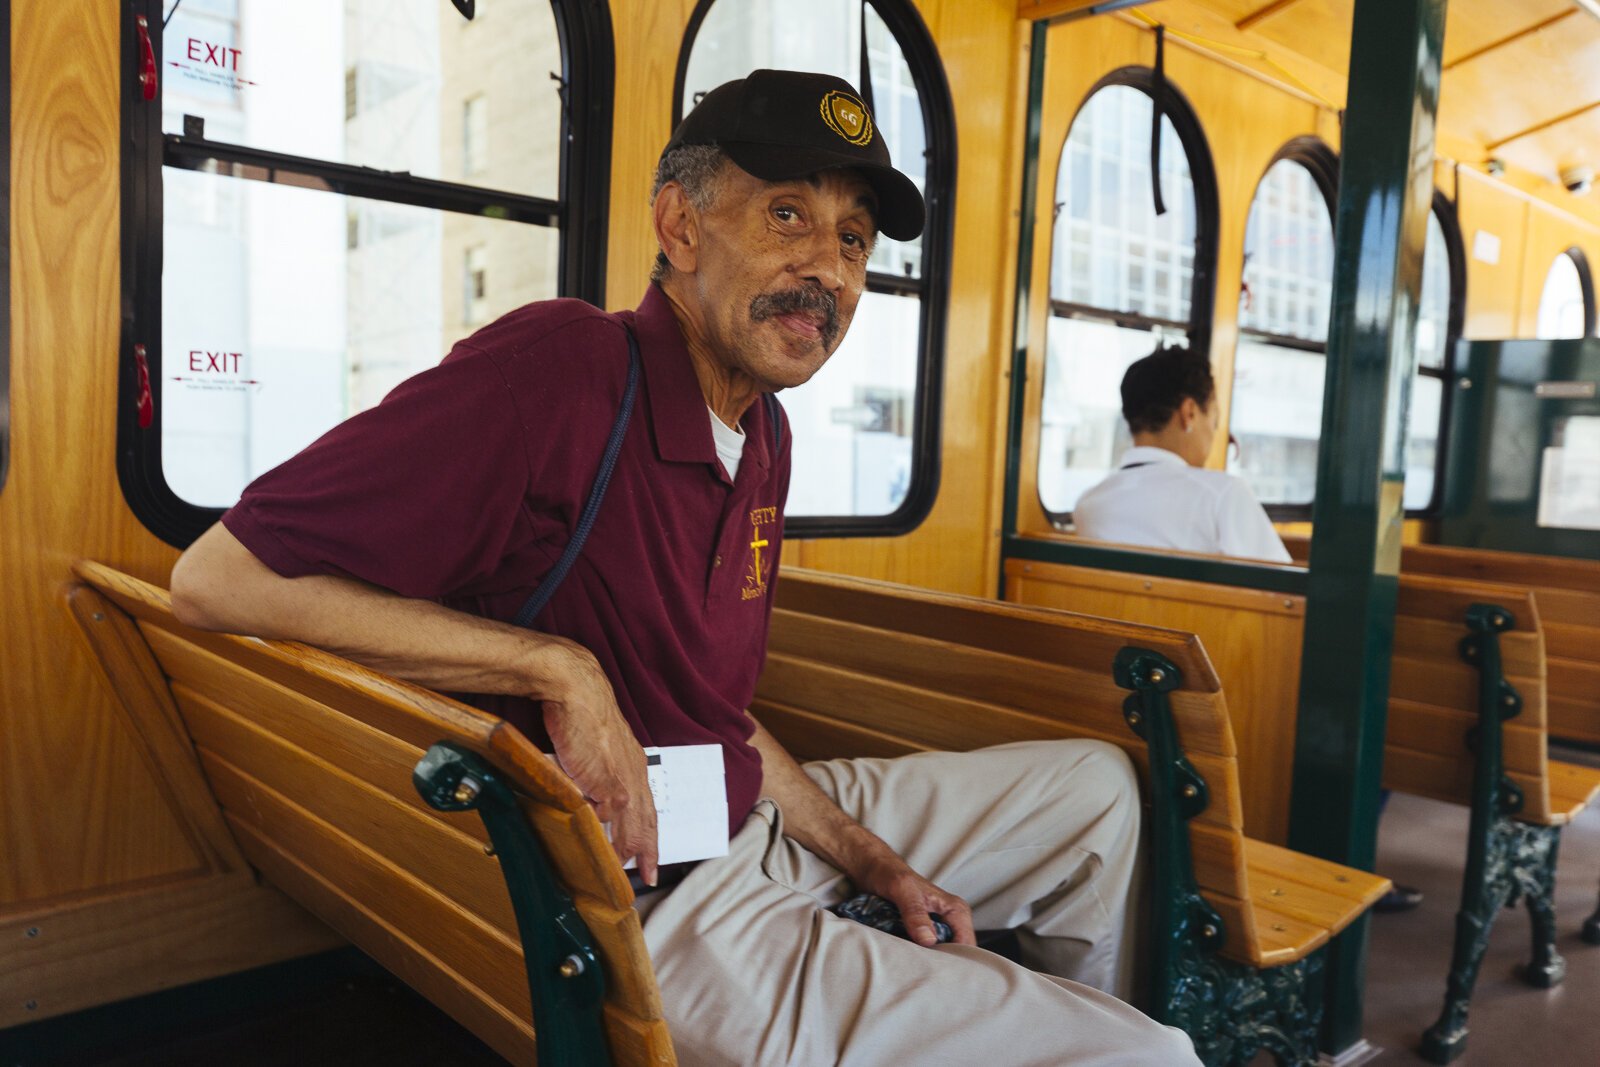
pixel 690 789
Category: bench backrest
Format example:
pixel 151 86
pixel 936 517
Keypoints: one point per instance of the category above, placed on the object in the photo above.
pixel 1434 693
pixel 311 758
pixel 1569 607
pixel 1252 636
pixel 863 668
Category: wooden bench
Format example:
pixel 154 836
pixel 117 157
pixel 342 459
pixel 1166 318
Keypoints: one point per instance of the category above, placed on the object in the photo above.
pixel 321 768
pixel 1253 637
pixel 1468 724
pixel 859 668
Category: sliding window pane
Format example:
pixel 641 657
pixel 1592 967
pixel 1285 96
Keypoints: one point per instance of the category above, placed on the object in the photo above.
pixel 286 310
pixel 1082 431
pixel 853 421
pixel 1277 420
pixel 376 83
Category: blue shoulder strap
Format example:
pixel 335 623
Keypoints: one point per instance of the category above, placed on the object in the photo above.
pixel 558 574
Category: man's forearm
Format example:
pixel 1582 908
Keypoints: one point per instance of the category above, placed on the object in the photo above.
pixel 812 818
pixel 218 584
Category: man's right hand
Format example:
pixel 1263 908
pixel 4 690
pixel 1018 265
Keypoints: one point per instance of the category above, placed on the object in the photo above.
pixel 600 754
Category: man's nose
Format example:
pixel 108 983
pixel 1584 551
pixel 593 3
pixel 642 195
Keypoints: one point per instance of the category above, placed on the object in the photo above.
pixel 823 262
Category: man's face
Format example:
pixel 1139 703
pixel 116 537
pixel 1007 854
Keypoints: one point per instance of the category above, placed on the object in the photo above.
pixel 780 269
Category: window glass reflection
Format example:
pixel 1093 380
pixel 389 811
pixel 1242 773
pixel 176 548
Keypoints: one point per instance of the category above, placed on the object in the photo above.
pixel 376 83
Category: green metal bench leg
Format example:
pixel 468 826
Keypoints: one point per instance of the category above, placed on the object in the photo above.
pixel 1591 926
pixel 565 982
pixel 1504 857
pixel 1231 1011
pixel 1535 870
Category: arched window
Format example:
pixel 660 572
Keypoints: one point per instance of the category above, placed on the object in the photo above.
pixel 320 198
pixel 1438 326
pixel 866 426
pixel 1123 279
pixel 1566 307
pixel 1283 326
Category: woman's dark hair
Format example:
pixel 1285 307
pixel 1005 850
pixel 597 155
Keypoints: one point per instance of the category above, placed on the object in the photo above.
pixel 1154 388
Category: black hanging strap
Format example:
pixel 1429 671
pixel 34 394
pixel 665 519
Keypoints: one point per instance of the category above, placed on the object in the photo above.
pixel 1158 96
pixel 866 66
pixel 591 510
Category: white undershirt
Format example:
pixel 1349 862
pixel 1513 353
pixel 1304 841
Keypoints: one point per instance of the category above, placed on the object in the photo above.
pixel 730 444
pixel 1156 499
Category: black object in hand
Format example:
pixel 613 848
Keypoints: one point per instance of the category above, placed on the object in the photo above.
pixel 880 914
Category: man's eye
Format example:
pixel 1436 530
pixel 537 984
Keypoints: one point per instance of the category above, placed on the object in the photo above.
pixel 786 214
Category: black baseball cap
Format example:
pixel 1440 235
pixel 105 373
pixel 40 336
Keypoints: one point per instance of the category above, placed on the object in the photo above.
pixel 783 124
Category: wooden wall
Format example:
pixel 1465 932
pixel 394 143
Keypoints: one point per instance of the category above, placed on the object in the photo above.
pixel 93 859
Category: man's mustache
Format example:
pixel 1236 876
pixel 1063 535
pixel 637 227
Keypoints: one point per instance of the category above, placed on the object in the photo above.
pixel 771 305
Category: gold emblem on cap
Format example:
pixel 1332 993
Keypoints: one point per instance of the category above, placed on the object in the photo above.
pixel 847 117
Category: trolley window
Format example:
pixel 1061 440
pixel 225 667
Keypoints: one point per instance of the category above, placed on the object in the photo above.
pixel 321 198
pixel 1438 326
pixel 1566 306
pixel 1123 278
pixel 866 433
pixel 1276 415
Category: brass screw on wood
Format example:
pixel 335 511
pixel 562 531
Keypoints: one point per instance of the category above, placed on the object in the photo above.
pixel 33 931
pixel 1499 620
pixel 1208 930
pixel 488 849
pixel 99 616
pixel 1158 676
pixel 571 967
pixel 1134 717
pixel 467 791
pixel 1189 791
pixel 1508 700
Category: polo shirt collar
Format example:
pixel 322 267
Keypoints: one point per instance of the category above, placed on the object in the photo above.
pixel 678 411
pixel 1149 454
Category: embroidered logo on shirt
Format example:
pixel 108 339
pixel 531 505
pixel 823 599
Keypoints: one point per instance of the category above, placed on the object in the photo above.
pixel 755 579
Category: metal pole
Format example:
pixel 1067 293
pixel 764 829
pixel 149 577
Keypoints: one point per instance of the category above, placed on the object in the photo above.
pixel 1385 192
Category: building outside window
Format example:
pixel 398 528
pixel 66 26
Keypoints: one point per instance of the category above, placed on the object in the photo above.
pixel 1122 281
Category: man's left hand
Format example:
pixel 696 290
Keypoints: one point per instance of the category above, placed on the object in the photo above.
pixel 892 878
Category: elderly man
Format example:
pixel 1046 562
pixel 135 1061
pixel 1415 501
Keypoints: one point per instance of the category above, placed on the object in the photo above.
pixel 413 536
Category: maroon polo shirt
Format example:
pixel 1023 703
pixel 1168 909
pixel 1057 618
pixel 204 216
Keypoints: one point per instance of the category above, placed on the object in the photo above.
pixel 465 483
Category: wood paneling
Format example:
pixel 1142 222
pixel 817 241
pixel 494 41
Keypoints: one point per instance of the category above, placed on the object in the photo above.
pixel 106 821
pixel 1253 638
pixel 74 954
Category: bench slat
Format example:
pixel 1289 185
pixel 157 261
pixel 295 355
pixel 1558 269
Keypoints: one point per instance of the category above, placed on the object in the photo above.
pixel 809 736
pixel 1048 690
pixel 1449 778
pixel 1442 731
pixel 1061 638
pixel 1284 937
pixel 1454 684
pixel 1572 787
pixel 940 720
pixel 465 942
pixel 392 946
pixel 448 861
pixel 1356 889
pixel 1437 640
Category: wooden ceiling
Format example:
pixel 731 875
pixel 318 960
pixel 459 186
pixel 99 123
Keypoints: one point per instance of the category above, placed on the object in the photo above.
pixel 1521 77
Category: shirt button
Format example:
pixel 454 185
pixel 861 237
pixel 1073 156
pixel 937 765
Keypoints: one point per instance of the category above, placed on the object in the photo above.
pixel 717 562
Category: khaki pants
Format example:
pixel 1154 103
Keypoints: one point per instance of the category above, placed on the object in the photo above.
pixel 1039 836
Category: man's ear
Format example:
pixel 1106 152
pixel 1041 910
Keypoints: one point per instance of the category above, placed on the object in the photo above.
pixel 1189 413
pixel 677 228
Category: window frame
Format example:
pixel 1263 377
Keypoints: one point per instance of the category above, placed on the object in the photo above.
pixel 932 288
pixel 1317 157
pixel 1207 239
pixel 1444 209
pixel 579 212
